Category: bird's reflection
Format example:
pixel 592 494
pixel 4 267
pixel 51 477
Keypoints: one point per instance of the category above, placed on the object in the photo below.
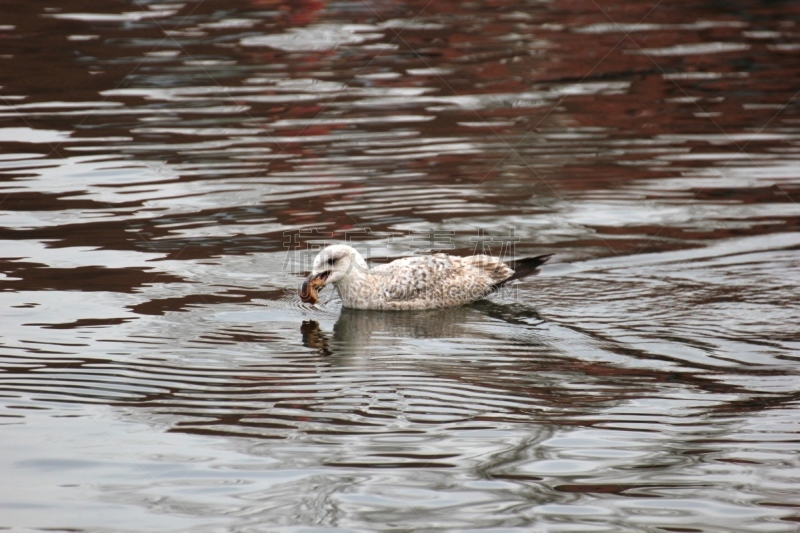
pixel 358 329
pixel 464 345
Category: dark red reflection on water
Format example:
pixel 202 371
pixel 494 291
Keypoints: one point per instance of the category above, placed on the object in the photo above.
pixel 674 86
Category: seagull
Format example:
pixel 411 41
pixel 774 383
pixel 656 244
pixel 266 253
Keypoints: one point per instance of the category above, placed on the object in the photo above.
pixel 418 282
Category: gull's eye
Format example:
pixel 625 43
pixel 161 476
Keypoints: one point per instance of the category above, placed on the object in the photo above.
pixel 331 261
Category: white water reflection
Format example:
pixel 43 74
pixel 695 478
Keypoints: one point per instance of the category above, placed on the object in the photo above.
pixel 699 48
pixel 30 135
pixel 317 38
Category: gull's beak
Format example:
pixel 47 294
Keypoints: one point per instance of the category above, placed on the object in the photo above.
pixel 309 291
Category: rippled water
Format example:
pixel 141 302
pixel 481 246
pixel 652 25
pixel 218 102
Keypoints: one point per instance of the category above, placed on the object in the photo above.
pixel 168 169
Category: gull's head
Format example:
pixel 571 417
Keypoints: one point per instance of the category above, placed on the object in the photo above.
pixel 332 265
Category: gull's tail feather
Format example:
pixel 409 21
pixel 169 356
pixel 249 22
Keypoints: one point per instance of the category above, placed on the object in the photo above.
pixel 524 267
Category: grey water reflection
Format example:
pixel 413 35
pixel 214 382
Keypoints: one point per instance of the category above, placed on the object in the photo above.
pixel 167 170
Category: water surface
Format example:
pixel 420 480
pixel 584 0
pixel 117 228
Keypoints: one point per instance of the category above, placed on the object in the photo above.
pixel 167 170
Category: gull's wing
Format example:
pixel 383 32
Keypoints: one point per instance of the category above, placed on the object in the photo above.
pixel 439 280
pixel 523 268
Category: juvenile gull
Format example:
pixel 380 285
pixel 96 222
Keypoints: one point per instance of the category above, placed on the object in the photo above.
pixel 420 282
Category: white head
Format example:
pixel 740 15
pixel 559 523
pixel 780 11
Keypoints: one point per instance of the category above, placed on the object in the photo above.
pixel 335 264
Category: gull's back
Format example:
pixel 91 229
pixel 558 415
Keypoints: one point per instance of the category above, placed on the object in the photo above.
pixel 438 280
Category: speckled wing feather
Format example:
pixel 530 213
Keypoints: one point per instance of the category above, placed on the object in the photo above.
pixel 438 280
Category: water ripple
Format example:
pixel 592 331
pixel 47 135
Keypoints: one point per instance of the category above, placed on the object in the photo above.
pixel 160 205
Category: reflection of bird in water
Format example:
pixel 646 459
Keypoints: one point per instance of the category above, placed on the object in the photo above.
pixel 513 361
pixel 356 329
pixel 427 282
pixel 314 338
